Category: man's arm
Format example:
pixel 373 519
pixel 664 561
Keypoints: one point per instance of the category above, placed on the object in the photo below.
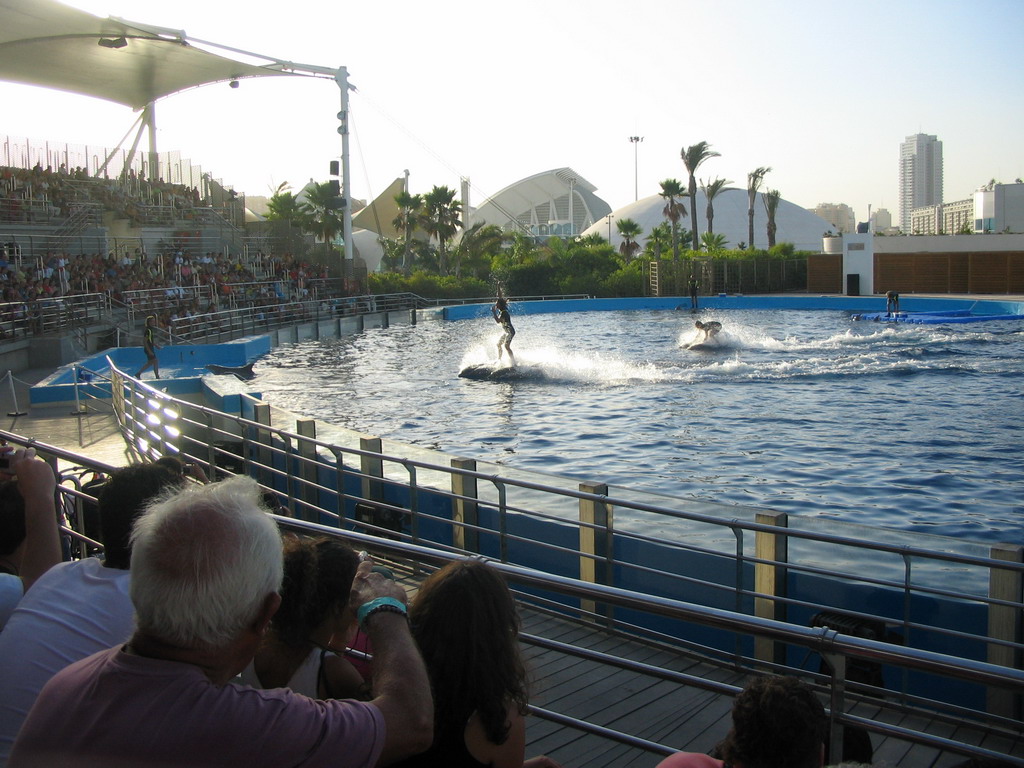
pixel 36 484
pixel 401 687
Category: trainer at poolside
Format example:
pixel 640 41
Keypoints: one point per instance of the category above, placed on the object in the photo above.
pixel 892 303
pixel 206 567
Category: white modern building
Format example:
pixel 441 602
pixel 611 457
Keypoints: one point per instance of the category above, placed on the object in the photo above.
pixel 999 208
pixel 920 176
pixel 555 203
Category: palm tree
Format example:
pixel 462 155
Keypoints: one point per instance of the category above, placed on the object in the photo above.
pixel 771 204
pixel 712 242
pixel 283 205
pixel 441 220
pixel 318 212
pixel 671 190
pixel 711 190
pixel 754 179
pixel 477 246
pixel 658 240
pixel 693 156
pixel 629 230
pixel 407 220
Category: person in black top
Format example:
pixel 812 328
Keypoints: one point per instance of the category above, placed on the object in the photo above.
pixel 501 316
pixel 149 346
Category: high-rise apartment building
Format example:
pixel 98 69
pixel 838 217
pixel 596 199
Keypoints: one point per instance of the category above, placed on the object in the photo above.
pixel 920 175
pixel 839 215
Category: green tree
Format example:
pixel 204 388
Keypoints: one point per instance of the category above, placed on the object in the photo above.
pixel 713 243
pixel 754 179
pixel 693 156
pixel 318 215
pixel 284 206
pixel 711 190
pixel 441 220
pixel 476 248
pixel 674 210
pixel 659 239
pixel 630 231
pixel 407 220
pixel 771 199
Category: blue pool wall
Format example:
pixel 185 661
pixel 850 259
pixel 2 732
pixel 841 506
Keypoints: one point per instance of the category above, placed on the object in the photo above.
pixel 843 303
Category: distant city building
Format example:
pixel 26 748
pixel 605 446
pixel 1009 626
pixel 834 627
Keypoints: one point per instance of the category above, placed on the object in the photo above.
pixel 839 215
pixel 999 208
pixel 881 221
pixel 945 219
pixel 920 176
pixel 993 208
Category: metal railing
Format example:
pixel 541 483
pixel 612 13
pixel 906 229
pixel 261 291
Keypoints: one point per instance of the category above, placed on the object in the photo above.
pixel 310 493
pixel 19 319
pixel 767 567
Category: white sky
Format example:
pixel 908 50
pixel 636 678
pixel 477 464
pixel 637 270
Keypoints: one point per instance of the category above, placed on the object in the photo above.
pixel 821 91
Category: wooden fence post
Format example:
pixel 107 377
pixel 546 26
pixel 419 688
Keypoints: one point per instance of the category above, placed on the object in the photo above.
pixel 770 579
pixel 596 543
pixel 1004 623
pixel 465 509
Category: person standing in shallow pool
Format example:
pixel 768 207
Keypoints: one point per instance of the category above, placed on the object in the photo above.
pixel 149 346
pixel 501 316
pixel 892 303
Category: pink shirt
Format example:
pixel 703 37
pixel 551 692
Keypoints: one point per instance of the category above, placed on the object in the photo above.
pixel 116 710
pixel 689 760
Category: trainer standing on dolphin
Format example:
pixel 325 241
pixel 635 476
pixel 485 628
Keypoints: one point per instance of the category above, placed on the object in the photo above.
pixel 501 316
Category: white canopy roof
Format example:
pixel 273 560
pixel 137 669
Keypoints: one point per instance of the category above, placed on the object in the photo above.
pixel 45 43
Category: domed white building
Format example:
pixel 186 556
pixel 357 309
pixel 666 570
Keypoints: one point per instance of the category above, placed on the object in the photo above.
pixel 554 203
pixel 793 224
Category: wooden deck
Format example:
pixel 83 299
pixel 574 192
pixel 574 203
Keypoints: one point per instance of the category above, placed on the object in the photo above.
pixel 683 717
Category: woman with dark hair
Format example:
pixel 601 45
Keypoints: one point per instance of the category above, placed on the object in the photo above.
pixel 465 622
pixel 313 625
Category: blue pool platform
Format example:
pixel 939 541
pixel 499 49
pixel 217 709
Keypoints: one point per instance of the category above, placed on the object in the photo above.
pixel 182 370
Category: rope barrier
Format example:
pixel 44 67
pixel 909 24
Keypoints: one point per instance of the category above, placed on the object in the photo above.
pixel 14 397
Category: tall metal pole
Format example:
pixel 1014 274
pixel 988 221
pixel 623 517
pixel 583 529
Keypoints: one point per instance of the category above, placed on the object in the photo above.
pixel 635 141
pixel 341 78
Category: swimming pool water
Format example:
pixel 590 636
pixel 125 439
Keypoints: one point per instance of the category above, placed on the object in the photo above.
pixel 807 412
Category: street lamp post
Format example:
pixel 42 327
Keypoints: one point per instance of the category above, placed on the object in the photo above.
pixel 635 141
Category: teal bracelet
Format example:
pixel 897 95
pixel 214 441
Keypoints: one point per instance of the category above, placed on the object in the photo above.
pixel 391 604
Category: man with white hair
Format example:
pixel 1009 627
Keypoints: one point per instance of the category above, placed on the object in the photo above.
pixel 206 567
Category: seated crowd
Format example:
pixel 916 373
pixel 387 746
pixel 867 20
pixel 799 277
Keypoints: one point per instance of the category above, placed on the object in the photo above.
pixel 205 637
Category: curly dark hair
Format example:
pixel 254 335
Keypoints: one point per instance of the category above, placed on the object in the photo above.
pixel 777 722
pixel 465 622
pixel 318 575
